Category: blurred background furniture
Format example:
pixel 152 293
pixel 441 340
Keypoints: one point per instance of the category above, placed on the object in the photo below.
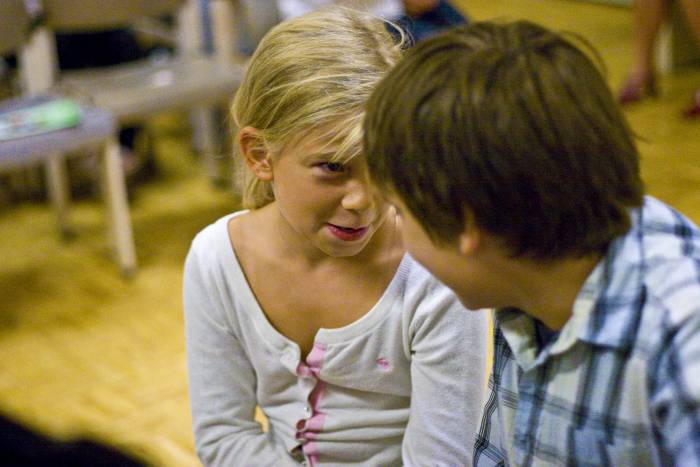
pixel 84 352
pixel 97 128
pixel 135 91
pixel 253 19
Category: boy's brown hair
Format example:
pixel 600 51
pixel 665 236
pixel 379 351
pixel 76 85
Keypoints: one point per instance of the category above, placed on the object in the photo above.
pixel 510 124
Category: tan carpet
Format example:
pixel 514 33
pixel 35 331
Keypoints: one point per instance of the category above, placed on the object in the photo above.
pixel 84 352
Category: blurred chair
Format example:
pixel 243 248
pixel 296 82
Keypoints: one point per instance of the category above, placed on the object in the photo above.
pixel 256 18
pixel 97 127
pixel 136 91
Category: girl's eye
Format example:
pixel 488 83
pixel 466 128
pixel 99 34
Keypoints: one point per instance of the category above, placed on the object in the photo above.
pixel 334 167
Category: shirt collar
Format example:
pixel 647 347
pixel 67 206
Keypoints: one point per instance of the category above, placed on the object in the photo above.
pixel 605 308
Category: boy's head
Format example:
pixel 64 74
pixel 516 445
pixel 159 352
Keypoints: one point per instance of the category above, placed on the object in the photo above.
pixel 508 128
pixel 311 77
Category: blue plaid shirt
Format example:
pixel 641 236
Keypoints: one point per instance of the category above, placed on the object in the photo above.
pixel 620 384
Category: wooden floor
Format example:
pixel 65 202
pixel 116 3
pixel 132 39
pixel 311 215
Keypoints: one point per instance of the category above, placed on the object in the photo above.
pixel 84 352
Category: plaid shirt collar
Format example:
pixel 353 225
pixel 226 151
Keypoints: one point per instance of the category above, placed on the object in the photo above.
pixel 601 311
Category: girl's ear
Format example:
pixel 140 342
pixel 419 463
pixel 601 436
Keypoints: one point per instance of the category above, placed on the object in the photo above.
pixel 255 152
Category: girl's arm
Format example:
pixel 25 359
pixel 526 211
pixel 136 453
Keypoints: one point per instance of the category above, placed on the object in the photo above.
pixel 448 374
pixel 221 381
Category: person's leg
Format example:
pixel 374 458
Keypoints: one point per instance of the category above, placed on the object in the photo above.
pixel 691 9
pixel 647 17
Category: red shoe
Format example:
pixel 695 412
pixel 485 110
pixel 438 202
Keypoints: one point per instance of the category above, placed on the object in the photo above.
pixel 694 110
pixel 636 89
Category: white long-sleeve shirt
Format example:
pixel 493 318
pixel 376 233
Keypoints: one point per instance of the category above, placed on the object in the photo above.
pixel 404 383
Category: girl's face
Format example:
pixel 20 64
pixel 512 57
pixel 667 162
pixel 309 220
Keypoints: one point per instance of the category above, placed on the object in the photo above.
pixel 331 206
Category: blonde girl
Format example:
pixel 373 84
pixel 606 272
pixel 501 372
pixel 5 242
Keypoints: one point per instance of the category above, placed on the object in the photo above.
pixel 305 304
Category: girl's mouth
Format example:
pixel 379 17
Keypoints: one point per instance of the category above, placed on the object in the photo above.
pixel 347 234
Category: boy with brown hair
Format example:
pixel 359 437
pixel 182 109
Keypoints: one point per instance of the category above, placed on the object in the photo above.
pixel 517 181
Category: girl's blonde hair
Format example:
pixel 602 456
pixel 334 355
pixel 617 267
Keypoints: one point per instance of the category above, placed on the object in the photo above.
pixel 312 75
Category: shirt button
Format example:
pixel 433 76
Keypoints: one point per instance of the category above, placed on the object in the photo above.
pixel 307 410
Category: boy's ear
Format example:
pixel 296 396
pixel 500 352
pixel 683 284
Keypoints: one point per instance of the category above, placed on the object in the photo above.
pixel 468 242
pixel 254 150
pixel 469 239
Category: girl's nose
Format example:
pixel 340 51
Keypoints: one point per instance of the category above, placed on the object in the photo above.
pixel 359 195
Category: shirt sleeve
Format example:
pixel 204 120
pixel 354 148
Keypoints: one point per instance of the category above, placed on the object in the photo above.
pixel 448 375
pixel 675 393
pixel 221 381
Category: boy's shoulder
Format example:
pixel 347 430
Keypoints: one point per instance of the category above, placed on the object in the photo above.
pixel 650 280
pixel 669 265
pixel 662 247
pixel 667 233
pixel 671 256
pixel 672 297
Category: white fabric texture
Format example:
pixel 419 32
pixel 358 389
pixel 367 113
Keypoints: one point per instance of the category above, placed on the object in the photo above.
pixel 403 384
pixel 388 9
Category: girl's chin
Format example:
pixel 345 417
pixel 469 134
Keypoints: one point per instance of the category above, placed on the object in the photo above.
pixel 338 248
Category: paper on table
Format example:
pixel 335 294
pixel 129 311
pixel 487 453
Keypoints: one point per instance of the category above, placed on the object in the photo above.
pixel 41 118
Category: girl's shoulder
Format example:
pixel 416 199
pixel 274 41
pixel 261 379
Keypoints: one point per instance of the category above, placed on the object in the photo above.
pixel 418 278
pixel 213 241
